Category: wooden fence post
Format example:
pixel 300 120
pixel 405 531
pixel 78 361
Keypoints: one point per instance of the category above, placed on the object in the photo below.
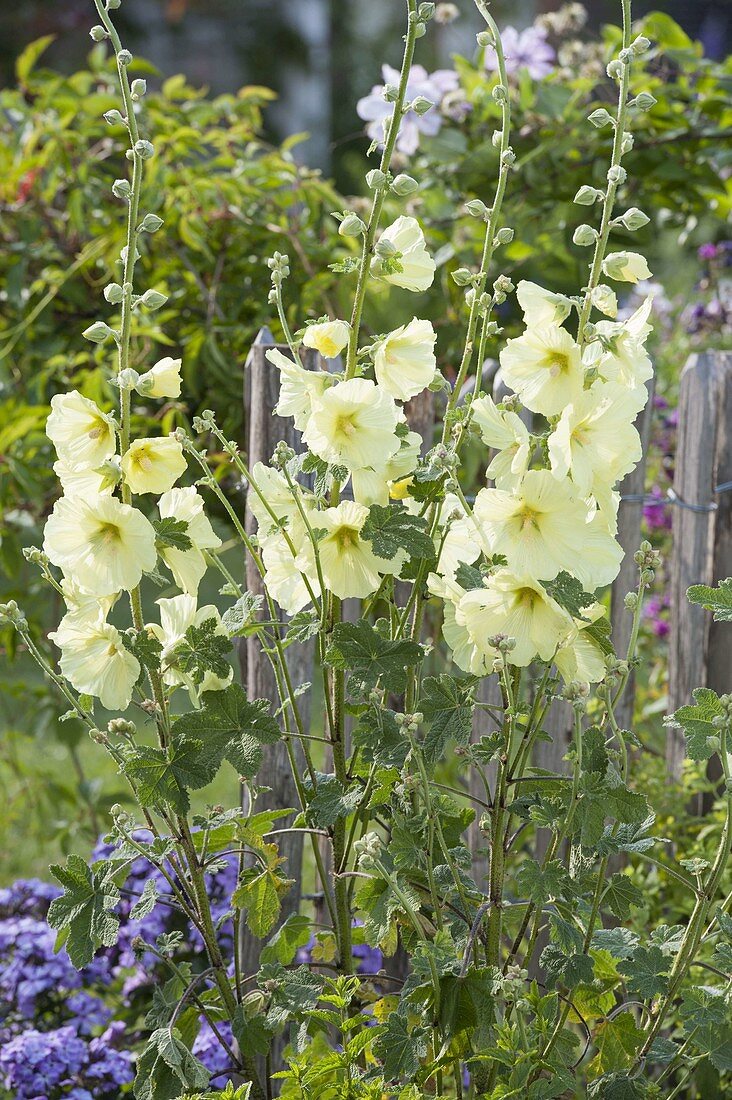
pixel 630 518
pixel 265 430
pixel 702 533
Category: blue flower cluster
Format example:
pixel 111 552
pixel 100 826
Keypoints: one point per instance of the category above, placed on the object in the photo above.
pixel 66 1033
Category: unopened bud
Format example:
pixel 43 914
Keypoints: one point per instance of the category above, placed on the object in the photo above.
pixel 584 235
pixel 153 299
pixel 124 58
pixel 97 333
pixel 138 88
pixel 351 226
pixel 587 196
pixel 421 105
pixel 143 149
pixel 113 293
pixel 97 34
pixel 376 179
pixel 121 189
pixel 601 117
pixel 644 101
pixel 404 185
pixel 634 219
pixel 150 223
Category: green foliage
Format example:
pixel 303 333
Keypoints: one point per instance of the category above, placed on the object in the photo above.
pixel 84 914
pixel 370 657
pixel 392 529
pixel 166 1068
pixel 717 600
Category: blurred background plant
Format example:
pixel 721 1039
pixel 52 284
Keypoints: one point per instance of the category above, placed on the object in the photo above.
pixel 232 195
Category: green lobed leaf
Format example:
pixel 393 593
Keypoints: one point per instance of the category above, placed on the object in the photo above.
pixel 696 722
pixel 567 591
pixel 646 972
pixel 447 704
pixel 238 618
pixel 717 600
pixel 400 1050
pixel 620 894
pixel 331 801
pixel 84 912
pixel 294 992
pixel 171 533
pixel 202 650
pixel 371 658
pixel 231 727
pixel 291 935
pixel 391 529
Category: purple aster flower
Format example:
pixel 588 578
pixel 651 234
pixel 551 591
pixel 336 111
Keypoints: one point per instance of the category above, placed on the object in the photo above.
pixel 707 252
pixel 526 49
pixel 374 109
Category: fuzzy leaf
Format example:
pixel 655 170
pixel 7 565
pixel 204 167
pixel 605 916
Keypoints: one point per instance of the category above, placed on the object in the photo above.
pixel 83 914
pixel 448 706
pixel 294 992
pixel 203 649
pixel 331 801
pixel 696 722
pixel 362 650
pixel 391 528
pixel 380 739
pixel 232 727
pixel 171 532
pixel 238 618
pixel 164 777
pixel 400 1050
pixel 283 946
pixel 717 600
pixel 469 576
pixel 646 972
pixel 620 894
pixel 569 594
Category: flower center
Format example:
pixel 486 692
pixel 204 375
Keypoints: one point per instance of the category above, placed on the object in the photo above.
pixel 98 430
pixel 345 538
pixel 557 362
pixel 528 518
pixel 346 425
pixel 107 534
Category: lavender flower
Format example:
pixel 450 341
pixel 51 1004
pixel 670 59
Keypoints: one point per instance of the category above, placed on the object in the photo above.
pixel 374 109
pixel 209 1050
pixel 37 1065
pixel 526 49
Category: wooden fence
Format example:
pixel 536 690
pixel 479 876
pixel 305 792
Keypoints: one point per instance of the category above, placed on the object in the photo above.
pixel 702 553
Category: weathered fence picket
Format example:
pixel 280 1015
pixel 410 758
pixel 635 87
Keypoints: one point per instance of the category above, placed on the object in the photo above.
pixel 702 532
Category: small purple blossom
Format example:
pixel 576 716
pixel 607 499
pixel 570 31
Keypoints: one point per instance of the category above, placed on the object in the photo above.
pixel 374 109
pixel 656 511
pixel 526 49
pixel 209 1050
pixel 49 1065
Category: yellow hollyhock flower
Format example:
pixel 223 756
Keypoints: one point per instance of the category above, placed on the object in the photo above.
pixel 188 566
pixel 153 465
pixel 328 337
pixel 285 575
pixel 543 528
pixel 627 267
pixel 353 424
pixel 95 661
pixel 540 306
pixel 506 432
pixel 404 362
pixel 544 367
pixel 298 388
pixel 595 440
pixel 465 653
pixel 406 239
pixel 162 380
pixel 579 657
pixel 81 433
pixel 77 481
pixel 177 614
pixel 518 607
pixel 619 355
pixel 100 543
pixel 348 564
pixel 378 486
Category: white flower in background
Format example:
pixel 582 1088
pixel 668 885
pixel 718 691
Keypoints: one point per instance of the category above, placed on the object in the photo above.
pixel 619 355
pixel 353 424
pixel 87 482
pixel 542 528
pixel 153 465
pixel 579 656
pixel 102 544
pixel 375 110
pixel 188 566
pixel 518 607
pixel 81 605
pixel 348 563
pixel 606 300
pixel 177 614
pixel 527 49
pixel 162 380
pixel 327 337
pixel 506 432
pixel 405 236
pixel 298 387
pixel 81 433
pixel 595 440
pixel 95 661
pixel 626 267
pixel 285 577
pixel 378 486
pixel 278 496
pixel 460 542
pixel 540 306
pixel 544 367
pixel 404 362
pixel 465 653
